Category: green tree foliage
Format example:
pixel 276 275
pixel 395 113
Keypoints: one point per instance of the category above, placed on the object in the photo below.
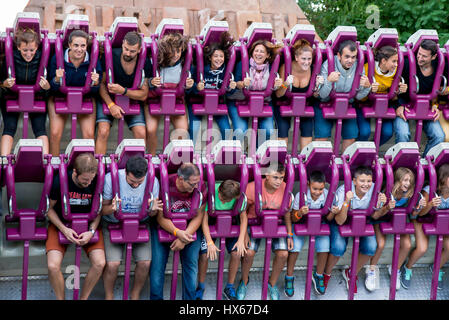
pixel 406 16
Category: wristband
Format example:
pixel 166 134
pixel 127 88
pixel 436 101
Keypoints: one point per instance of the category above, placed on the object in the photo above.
pixel 290 235
pixel 210 243
pixel 296 215
pixel 126 90
pixel 345 204
pixel 283 86
pixel 110 105
pixel 174 231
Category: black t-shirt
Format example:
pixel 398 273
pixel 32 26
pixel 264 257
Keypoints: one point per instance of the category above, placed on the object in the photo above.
pixel 80 199
pixel 120 76
pixel 425 83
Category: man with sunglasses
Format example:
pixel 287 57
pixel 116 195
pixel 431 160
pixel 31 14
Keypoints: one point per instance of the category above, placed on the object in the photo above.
pixel 181 189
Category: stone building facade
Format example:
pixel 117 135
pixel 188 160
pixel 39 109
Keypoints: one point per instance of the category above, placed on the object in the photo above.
pixel 282 14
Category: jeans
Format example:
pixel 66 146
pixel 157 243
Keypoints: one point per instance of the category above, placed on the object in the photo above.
pixel 323 127
pixel 368 245
pixel 189 260
pixel 365 128
pixel 432 129
pixel 283 124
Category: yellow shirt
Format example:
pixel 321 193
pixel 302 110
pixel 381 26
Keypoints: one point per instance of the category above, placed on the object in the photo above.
pixel 383 80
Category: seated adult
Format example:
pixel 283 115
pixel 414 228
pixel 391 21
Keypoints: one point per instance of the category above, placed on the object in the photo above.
pixel 125 67
pixel 345 63
pixel 76 65
pixel 27 58
pixel 132 181
pixel 426 68
pixel 181 187
pixel 81 185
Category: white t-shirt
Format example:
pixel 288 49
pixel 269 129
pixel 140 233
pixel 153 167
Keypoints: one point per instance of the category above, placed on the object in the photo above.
pixel 132 198
pixel 317 204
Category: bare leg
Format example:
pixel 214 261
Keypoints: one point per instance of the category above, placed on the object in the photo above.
pixel 278 264
pixel 140 276
pixel 6 144
pixel 321 261
pixel 233 266
pixel 57 123
pixel 54 260
pixel 304 141
pixel 346 143
pixel 98 261
pixel 422 242
pixel 406 245
pixel 247 262
pixel 291 261
pixel 380 245
pixel 101 143
pixel 202 267
pixel 152 123
pixel 109 277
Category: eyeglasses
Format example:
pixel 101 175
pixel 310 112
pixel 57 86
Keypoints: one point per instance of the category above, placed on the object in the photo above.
pixel 193 185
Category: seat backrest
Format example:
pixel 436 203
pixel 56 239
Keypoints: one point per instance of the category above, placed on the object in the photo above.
pixel 129 148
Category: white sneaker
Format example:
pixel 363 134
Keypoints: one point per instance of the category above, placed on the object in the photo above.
pixel 371 278
pixel 398 278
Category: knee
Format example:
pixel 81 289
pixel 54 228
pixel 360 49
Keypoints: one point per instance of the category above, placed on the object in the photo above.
pixel 421 246
pixel 54 266
pixel 144 265
pixel 203 258
pixel 99 264
pixel 381 243
pixel 89 133
pixel 249 255
pixel 113 266
pixel 282 255
pixel 103 132
pixel 406 244
pixel 139 132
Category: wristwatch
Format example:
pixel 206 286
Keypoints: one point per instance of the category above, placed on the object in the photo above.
pixel 92 230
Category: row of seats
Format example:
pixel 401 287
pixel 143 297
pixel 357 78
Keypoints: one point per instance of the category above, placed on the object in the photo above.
pixel 227 161
pixel 165 101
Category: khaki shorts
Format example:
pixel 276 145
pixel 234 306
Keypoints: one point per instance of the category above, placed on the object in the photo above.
pixel 115 251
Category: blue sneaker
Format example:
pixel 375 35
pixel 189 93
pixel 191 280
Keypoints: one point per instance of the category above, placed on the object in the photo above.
pixel 406 276
pixel 440 277
pixel 289 288
pixel 229 293
pixel 241 290
pixel 273 292
pixel 199 291
pixel 318 283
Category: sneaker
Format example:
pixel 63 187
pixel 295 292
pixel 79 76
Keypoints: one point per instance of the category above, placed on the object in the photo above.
pixel 229 293
pixel 347 278
pixel 326 280
pixel 440 277
pixel 398 278
pixel 406 276
pixel 289 288
pixel 273 292
pixel 318 283
pixel 241 290
pixel 371 279
pixel 199 292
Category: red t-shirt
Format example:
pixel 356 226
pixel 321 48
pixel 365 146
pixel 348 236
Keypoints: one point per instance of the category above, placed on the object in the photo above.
pixel 181 201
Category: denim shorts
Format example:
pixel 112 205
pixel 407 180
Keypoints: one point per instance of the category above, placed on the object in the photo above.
pixel 338 244
pixel 131 121
pixel 230 242
pixel 277 243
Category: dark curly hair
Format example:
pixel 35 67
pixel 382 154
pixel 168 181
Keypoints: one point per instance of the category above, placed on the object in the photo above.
pixel 167 46
pixel 224 45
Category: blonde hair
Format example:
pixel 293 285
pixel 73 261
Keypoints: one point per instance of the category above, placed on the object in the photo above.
pixel 399 175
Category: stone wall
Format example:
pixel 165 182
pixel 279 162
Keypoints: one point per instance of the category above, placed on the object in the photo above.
pixel 282 14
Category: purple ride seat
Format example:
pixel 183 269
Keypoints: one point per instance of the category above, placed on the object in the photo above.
pixel 75 102
pixel 130 230
pixel 268 223
pixel 25 100
pixel 420 107
pixel 27 164
pixel 404 154
pixel 295 103
pixel 113 39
